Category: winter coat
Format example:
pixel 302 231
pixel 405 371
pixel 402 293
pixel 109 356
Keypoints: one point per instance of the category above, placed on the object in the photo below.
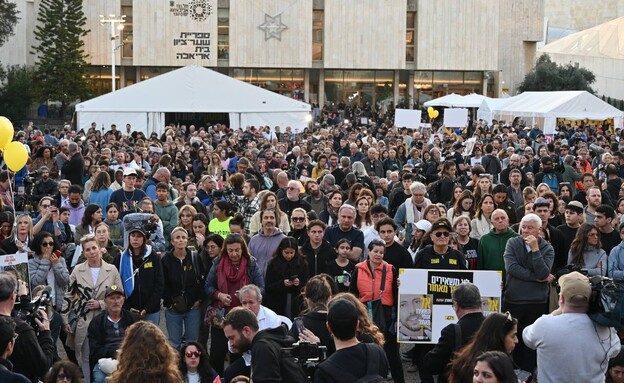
pixel 492 248
pixel 38 271
pixel 262 247
pixel 277 293
pixel 149 281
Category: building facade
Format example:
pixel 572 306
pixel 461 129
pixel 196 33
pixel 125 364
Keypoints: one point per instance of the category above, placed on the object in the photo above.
pixel 313 50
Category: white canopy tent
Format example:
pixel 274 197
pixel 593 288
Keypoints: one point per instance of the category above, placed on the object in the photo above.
pixel 488 105
pixel 192 89
pixel 448 101
pixel 544 108
pixel 473 100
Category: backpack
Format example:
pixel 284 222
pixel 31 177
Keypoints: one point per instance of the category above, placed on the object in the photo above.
pixel 371 370
pixel 551 180
pixel 606 306
pixel 434 190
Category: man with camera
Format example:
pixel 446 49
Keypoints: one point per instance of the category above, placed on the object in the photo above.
pixel 267 362
pixel 570 328
pixel 32 355
pixel 352 360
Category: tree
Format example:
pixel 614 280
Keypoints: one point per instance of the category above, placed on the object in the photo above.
pixel 16 95
pixel 549 76
pixel 8 15
pixel 61 60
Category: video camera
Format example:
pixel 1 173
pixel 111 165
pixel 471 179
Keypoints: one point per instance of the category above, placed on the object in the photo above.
pixel 31 311
pixel 308 355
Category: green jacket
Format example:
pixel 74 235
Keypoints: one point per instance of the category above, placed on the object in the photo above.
pixel 491 250
pixel 169 216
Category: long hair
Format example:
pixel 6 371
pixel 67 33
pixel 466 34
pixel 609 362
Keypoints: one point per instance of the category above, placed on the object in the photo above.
pixel 579 244
pixel 231 239
pixel 366 325
pixel 225 206
pixel 146 356
pixel 490 337
pixel 204 368
pixel 30 224
pixel 263 201
pixel 69 368
pixel 501 365
pixel 457 208
pixel 362 219
pixel 317 293
pixel 102 181
pixel 186 209
pixel 87 217
pixel 479 213
pixel 288 243
pixel 356 187
pixel 38 240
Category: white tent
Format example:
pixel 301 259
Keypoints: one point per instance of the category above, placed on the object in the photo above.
pixel 192 89
pixel 448 101
pixel 473 100
pixel 544 108
pixel 488 105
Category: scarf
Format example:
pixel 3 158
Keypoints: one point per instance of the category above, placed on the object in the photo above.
pixel 126 271
pixel 230 279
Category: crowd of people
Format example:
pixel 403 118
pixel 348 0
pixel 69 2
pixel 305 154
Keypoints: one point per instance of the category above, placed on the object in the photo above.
pixel 234 232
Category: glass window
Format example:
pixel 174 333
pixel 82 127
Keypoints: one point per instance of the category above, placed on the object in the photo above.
pixel 410 35
pixel 317 35
pixel 127 49
pixel 223 33
pixel 441 78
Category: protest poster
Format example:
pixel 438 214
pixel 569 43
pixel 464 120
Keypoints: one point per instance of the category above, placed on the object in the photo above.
pixel 425 300
pixel 18 263
pixel 456 118
pixel 407 118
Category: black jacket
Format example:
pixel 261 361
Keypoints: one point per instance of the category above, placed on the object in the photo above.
pixel 427 258
pixel 317 263
pixel 436 361
pixel 149 283
pixel 74 169
pixel 6 374
pixel 277 271
pixel 32 356
pixel 97 335
pixel 45 188
pixel 287 206
pixel 177 271
pixel 268 364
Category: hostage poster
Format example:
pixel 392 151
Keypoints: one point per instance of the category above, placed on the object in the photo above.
pixel 18 264
pixel 425 304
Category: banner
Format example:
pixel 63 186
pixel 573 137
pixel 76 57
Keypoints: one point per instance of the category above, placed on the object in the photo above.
pixel 425 300
pixel 17 263
pixel 407 118
pixel 456 118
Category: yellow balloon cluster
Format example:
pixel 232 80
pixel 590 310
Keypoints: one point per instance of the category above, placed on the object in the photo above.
pixel 15 153
pixel 432 113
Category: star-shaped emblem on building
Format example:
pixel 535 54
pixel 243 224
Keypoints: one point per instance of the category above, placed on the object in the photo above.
pixel 273 27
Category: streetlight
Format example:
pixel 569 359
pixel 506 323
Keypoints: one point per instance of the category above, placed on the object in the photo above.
pixel 112 20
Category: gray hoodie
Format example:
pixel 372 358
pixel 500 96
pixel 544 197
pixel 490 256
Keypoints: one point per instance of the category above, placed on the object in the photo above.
pixel 524 269
pixel 591 258
pixel 262 248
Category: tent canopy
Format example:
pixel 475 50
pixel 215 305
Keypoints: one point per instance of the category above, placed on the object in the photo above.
pixel 448 101
pixel 488 105
pixel 573 105
pixel 472 100
pixel 192 89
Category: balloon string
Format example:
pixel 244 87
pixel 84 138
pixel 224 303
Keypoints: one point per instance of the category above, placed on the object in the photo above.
pixel 11 193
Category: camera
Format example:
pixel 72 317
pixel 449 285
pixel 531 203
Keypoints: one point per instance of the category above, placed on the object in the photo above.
pixel 30 311
pixel 309 355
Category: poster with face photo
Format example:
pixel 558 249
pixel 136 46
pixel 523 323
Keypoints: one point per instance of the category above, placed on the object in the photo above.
pixel 16 264
pixel 425 303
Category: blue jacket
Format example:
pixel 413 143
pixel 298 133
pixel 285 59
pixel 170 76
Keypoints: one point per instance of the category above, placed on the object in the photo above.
pixel 615 268
pixel 49 227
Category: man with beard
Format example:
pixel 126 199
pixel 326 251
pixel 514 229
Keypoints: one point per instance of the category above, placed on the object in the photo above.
pixel 335 170
pixel 264 244
pixel 73 168
pixel 316 199
pixel 190 198
pixel 45 186
pixel 514 163
pixel 75 205
pixel 268 364
pixel 293 199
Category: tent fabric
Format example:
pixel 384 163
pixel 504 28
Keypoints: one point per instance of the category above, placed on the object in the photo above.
pixel 488 105
pixel 472 100
pixel 448 101
pixel 548 106
pixel 193 89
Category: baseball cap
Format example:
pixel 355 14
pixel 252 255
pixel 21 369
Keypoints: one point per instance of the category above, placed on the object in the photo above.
pixel 575 206
pixel 423 225
pixel 112 289
pixel 136 228
pixel 575 287
pixel 442 223
pixel 540 201
pixel 129 172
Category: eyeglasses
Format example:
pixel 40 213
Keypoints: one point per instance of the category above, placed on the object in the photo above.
pixel 45 206
pixel 439 234
pixel 298 219
pixel 192 354
pixel 63 377
pixel 436 212
pixel 47 244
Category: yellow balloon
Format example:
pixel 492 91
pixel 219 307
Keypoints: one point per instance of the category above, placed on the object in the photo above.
pixel 430 110
pixel 15 155
pixel 6 132
pixel 435 114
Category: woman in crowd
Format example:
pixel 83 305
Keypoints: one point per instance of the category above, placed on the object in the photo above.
pixel 146 356
pixel 586 251
pixel 321 165
pixel 94 170
pixel 363 219
pixel 468 244
pixel 498 332
pixel 215 169
pixel 354 193
pixel 194 364
pixel 619 211
pixel 464 206
pixel 63 371
pixel 220 224
pixel 20 237
pixel 420 238
pixel 180 170
pixel 88 282
pixel 529 195
pixel 45 156
pixel 447 181
pixel 211 250
pixel 457 191
pixel 202 168
pixel 47 267
pixel 481 224
pixel 541 189
pixel 100 191
pixel 330 214
pixel 342 267
pixel 299 223
pixel 92 216
pixel 185 215
pixel 317 293
pixel 494 367
pixel 286 274
pixel 268 200
pixel 555 218
pixel 483 187
pixel 200 231
pixel 182 293
pixel 565 190
pixel 6 224
pixel 233 269
pixel 431 213
pixel 115 225
pixel 375 283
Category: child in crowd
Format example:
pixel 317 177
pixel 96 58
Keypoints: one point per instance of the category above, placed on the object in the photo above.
pixel 342 268
pixel 115 226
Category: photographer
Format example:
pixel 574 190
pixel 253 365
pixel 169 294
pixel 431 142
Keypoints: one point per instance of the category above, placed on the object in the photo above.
pixel 32 355
pixel 45 186
pixel 151 224
pixel 267 363
pixel 48 219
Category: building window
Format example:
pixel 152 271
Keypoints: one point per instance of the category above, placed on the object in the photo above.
pixel 357 87
pixel 317 35
pixel 127 34
pixel 223 36
pixel 287 82
pixel 410 36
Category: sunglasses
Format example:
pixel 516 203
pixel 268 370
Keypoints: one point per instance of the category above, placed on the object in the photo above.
pixel 439 234
pixel 192 354
pixel 47 244
pixel 298 219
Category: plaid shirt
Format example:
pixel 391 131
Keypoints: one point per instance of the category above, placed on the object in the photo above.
pixel 244 206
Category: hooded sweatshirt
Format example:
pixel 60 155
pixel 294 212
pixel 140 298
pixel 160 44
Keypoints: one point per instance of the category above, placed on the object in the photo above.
pixel 75 213
pixel 268 363
pixel 595 261
pixel 491 250
pixel 169 217
pixel 262 248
